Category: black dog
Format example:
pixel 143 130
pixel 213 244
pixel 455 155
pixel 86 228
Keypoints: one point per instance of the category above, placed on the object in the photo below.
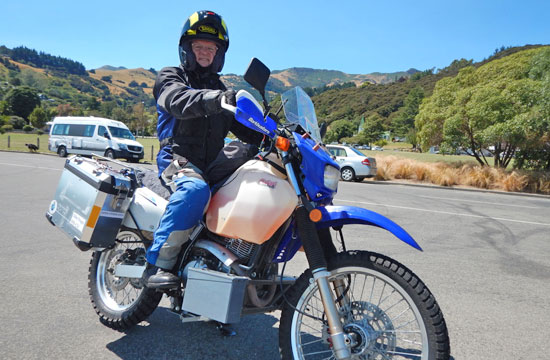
pixel 32 147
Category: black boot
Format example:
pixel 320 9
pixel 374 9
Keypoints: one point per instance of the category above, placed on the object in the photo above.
pixel 157 278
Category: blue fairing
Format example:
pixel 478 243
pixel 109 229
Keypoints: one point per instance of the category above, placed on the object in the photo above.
pixel 313 166
pixel 344 215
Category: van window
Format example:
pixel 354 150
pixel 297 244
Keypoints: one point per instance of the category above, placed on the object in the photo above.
pixel 60 129
pixel 73 130
pixel 81 130
pixel 121 133
pixel 101 130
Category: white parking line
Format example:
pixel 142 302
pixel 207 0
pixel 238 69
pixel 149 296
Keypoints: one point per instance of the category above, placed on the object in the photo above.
pixel 444 212
pixel 478 202
pixel 32 167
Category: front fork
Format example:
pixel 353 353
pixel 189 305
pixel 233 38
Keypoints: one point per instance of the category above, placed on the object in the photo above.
pixel 341 342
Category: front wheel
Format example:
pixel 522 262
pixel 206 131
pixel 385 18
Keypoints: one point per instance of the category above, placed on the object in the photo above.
pixel 110 154
pixel 120 302
pixel 385 310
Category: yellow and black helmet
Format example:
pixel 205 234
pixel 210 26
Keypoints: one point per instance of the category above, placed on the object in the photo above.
pixel 203 25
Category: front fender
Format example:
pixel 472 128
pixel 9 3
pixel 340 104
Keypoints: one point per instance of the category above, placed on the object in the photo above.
pixel 344 215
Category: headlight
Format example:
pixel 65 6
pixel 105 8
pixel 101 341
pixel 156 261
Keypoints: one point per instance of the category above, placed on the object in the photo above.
pixel 332 175
pixel 122 147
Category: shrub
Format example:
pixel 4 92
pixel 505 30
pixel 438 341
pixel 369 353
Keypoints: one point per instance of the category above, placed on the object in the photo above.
pixel 7 128
pixel 17 122
pixel 28 128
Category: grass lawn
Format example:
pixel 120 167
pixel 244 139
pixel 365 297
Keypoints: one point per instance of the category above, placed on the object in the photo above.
pixel 151 147
pixel 17 142
pixel 399 150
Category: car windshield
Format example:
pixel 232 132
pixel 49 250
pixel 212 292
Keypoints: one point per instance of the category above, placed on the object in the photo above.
pixel 299 109
pixel 121 133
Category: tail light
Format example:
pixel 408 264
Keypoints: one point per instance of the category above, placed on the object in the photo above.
pixel 365 162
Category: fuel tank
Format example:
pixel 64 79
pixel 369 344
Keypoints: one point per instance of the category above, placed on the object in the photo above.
pixel 252 204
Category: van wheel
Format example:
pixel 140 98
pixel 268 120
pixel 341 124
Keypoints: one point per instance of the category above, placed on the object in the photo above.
pixel 62 151
pixel 110 154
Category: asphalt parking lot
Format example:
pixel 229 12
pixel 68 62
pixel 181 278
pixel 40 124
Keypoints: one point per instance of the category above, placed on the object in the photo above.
pixel 486 258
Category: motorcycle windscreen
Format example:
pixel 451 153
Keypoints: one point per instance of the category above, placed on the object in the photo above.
pixel 252 204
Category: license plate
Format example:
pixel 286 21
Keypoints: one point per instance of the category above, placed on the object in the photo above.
pixel 134 155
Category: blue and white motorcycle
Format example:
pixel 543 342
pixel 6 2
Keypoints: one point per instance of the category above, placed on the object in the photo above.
pixel 347 305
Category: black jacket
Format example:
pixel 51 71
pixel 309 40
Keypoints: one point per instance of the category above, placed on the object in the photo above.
pixel 191 122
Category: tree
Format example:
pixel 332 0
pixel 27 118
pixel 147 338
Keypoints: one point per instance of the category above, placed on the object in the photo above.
pixel 491 108
pixel 4 108
pixel 22 100
pixel 405 120
pixel 372 129
pixel 120 114
pixel 92 103
pixel 140 118
pixel 340 129
pixel 64 110
pixel 38 117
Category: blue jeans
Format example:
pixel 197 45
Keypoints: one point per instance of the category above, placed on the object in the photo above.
pixel 184 210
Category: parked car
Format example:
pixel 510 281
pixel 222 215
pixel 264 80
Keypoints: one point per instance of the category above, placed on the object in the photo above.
pixel 377 148
pixel 363 147
pixel 354 165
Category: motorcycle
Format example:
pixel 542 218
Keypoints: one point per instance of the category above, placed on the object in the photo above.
pixel 348 304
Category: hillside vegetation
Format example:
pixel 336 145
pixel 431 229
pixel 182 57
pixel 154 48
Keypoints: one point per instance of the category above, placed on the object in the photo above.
pixel 467 106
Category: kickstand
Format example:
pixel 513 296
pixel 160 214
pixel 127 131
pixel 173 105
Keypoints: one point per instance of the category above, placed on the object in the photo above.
pixel 225 329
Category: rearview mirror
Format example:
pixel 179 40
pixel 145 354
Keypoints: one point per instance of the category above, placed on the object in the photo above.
pixel 257 75
pixel 106 135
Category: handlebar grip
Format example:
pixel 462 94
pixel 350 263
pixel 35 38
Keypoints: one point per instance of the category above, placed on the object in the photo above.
pixel 226 106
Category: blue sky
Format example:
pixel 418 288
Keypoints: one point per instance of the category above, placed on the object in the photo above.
pixel 356 37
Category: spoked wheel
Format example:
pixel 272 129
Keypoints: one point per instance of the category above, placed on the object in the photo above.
pixel 120 302
pixel 386 312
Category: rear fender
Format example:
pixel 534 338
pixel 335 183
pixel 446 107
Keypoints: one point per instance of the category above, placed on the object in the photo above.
pixel 334 216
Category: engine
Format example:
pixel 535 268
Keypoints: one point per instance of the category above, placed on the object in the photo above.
pixel 241 248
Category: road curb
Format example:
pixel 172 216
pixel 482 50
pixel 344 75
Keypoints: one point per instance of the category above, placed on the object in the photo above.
pixel 470 189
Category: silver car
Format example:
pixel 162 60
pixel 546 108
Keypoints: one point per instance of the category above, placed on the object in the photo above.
pixel 354 165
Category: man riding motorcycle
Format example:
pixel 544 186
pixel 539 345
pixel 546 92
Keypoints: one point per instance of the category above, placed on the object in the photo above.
pixel 191 129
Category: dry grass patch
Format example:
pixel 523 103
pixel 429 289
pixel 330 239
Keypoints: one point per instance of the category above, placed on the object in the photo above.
pixel 465 174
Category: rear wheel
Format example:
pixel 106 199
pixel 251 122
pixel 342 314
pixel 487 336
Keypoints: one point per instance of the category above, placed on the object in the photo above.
pixel 385 310
pixel 120 302
pixel 347 174
pixel 62 151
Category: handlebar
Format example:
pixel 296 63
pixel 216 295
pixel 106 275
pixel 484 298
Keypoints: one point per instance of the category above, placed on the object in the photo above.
pixel 226 106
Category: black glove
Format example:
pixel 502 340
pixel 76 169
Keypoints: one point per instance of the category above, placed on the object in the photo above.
pixel 230 97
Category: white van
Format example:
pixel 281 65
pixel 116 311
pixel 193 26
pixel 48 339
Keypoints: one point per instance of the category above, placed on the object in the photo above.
pixel 93 135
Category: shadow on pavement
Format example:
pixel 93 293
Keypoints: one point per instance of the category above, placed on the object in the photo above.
pixel 164 336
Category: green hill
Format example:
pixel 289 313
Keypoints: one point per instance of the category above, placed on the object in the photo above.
pixel 392 99
pixel 392 103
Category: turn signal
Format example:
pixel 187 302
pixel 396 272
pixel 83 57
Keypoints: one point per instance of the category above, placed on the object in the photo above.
pixel 282 143
pixel 315 215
